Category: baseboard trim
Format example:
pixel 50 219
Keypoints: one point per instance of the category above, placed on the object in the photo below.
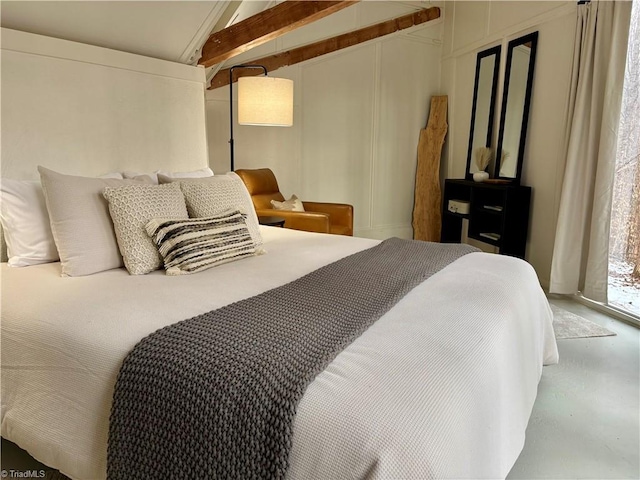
pixel 607 309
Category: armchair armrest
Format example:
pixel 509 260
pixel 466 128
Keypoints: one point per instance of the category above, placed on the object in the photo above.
pixel 307 221
pixel 339 213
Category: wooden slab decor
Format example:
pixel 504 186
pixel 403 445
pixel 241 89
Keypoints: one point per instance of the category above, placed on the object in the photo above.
pixel 427 204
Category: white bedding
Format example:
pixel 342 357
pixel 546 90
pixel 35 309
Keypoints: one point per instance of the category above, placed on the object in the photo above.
pixel 441 386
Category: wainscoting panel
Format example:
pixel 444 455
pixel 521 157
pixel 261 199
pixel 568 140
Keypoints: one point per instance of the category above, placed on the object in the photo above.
pixel 337 129
pixel 409 76
pixel 544 153
pixel 357 117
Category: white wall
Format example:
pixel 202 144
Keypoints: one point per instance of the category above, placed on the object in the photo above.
pixel 86 110
pixel 357 118
pixel 358 112
pixel 474 26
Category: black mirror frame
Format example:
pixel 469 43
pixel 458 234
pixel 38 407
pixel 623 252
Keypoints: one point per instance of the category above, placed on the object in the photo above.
pixel 492 109
pixel 533 38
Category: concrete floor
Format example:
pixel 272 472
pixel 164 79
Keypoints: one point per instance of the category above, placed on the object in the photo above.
pixel 585 422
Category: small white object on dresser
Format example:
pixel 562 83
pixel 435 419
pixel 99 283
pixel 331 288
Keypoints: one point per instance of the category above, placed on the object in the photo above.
pixel 458 206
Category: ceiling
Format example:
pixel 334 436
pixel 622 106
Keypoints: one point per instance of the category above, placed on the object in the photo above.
pixel 168 30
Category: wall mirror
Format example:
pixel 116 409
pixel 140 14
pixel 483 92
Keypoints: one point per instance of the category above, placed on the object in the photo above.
pixel 483 109
pixel 516 99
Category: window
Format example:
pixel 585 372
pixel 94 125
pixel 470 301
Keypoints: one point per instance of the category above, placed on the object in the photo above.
pixel 624 242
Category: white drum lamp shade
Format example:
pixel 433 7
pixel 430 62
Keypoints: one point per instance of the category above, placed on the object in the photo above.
pixel 266 101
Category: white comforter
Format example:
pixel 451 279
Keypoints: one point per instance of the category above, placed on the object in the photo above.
pixel 441 386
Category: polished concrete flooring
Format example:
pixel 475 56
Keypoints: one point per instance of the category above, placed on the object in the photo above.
pixel 585 422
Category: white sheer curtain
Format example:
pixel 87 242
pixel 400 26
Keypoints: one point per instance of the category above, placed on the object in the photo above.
pixel 580 256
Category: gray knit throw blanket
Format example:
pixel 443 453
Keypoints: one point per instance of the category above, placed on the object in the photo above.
pixel 215 396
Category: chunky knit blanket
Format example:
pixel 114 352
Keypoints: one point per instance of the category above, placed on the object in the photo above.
pixel 214 396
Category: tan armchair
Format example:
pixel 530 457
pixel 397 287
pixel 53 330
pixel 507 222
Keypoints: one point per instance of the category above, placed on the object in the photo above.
pixel 334 218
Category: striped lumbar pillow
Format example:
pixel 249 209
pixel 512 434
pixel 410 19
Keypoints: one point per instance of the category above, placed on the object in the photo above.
pixel 193 245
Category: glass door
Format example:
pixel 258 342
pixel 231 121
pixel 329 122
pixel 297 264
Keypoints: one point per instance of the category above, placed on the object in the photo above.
pixel 624 241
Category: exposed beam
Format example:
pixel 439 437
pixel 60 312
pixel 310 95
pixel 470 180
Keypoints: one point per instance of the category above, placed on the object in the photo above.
pixel 307 52
pixel 191 54
pixel 265 26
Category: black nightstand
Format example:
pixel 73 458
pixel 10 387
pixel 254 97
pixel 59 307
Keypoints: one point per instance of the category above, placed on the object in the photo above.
pixel 271 221
pixel 498 214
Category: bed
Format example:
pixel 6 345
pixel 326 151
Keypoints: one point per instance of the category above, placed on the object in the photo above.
pixel 441 386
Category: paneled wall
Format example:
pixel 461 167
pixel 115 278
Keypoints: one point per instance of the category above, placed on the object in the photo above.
pixel 357 118
pixel 358 112
pixel 474 26
pixel 86 110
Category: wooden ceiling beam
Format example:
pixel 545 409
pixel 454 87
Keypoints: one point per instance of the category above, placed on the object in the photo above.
pixel 265 26
pixel 307 52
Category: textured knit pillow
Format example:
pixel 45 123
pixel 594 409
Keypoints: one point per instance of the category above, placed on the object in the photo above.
pixel 131 208
pixel 190 246
pixel 80 221
pixel 294 204
pixel 25 223
pixel 206 197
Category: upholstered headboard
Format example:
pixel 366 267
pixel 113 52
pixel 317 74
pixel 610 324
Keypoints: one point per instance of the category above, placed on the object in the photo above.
pixel 84 110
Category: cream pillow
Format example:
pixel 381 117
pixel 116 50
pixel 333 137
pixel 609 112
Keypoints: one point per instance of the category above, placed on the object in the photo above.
pixel 294 204
pixel 131 208
pixel 26 231
pixel 207 197
pixel 80 221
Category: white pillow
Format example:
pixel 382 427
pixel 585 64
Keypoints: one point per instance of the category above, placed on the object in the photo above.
pixel 294 204
pixel 25 222
pixel 207 197
pixel 203 172
pixel 131 208
pixel 196 244
pixel 80 221
pixel 112 175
